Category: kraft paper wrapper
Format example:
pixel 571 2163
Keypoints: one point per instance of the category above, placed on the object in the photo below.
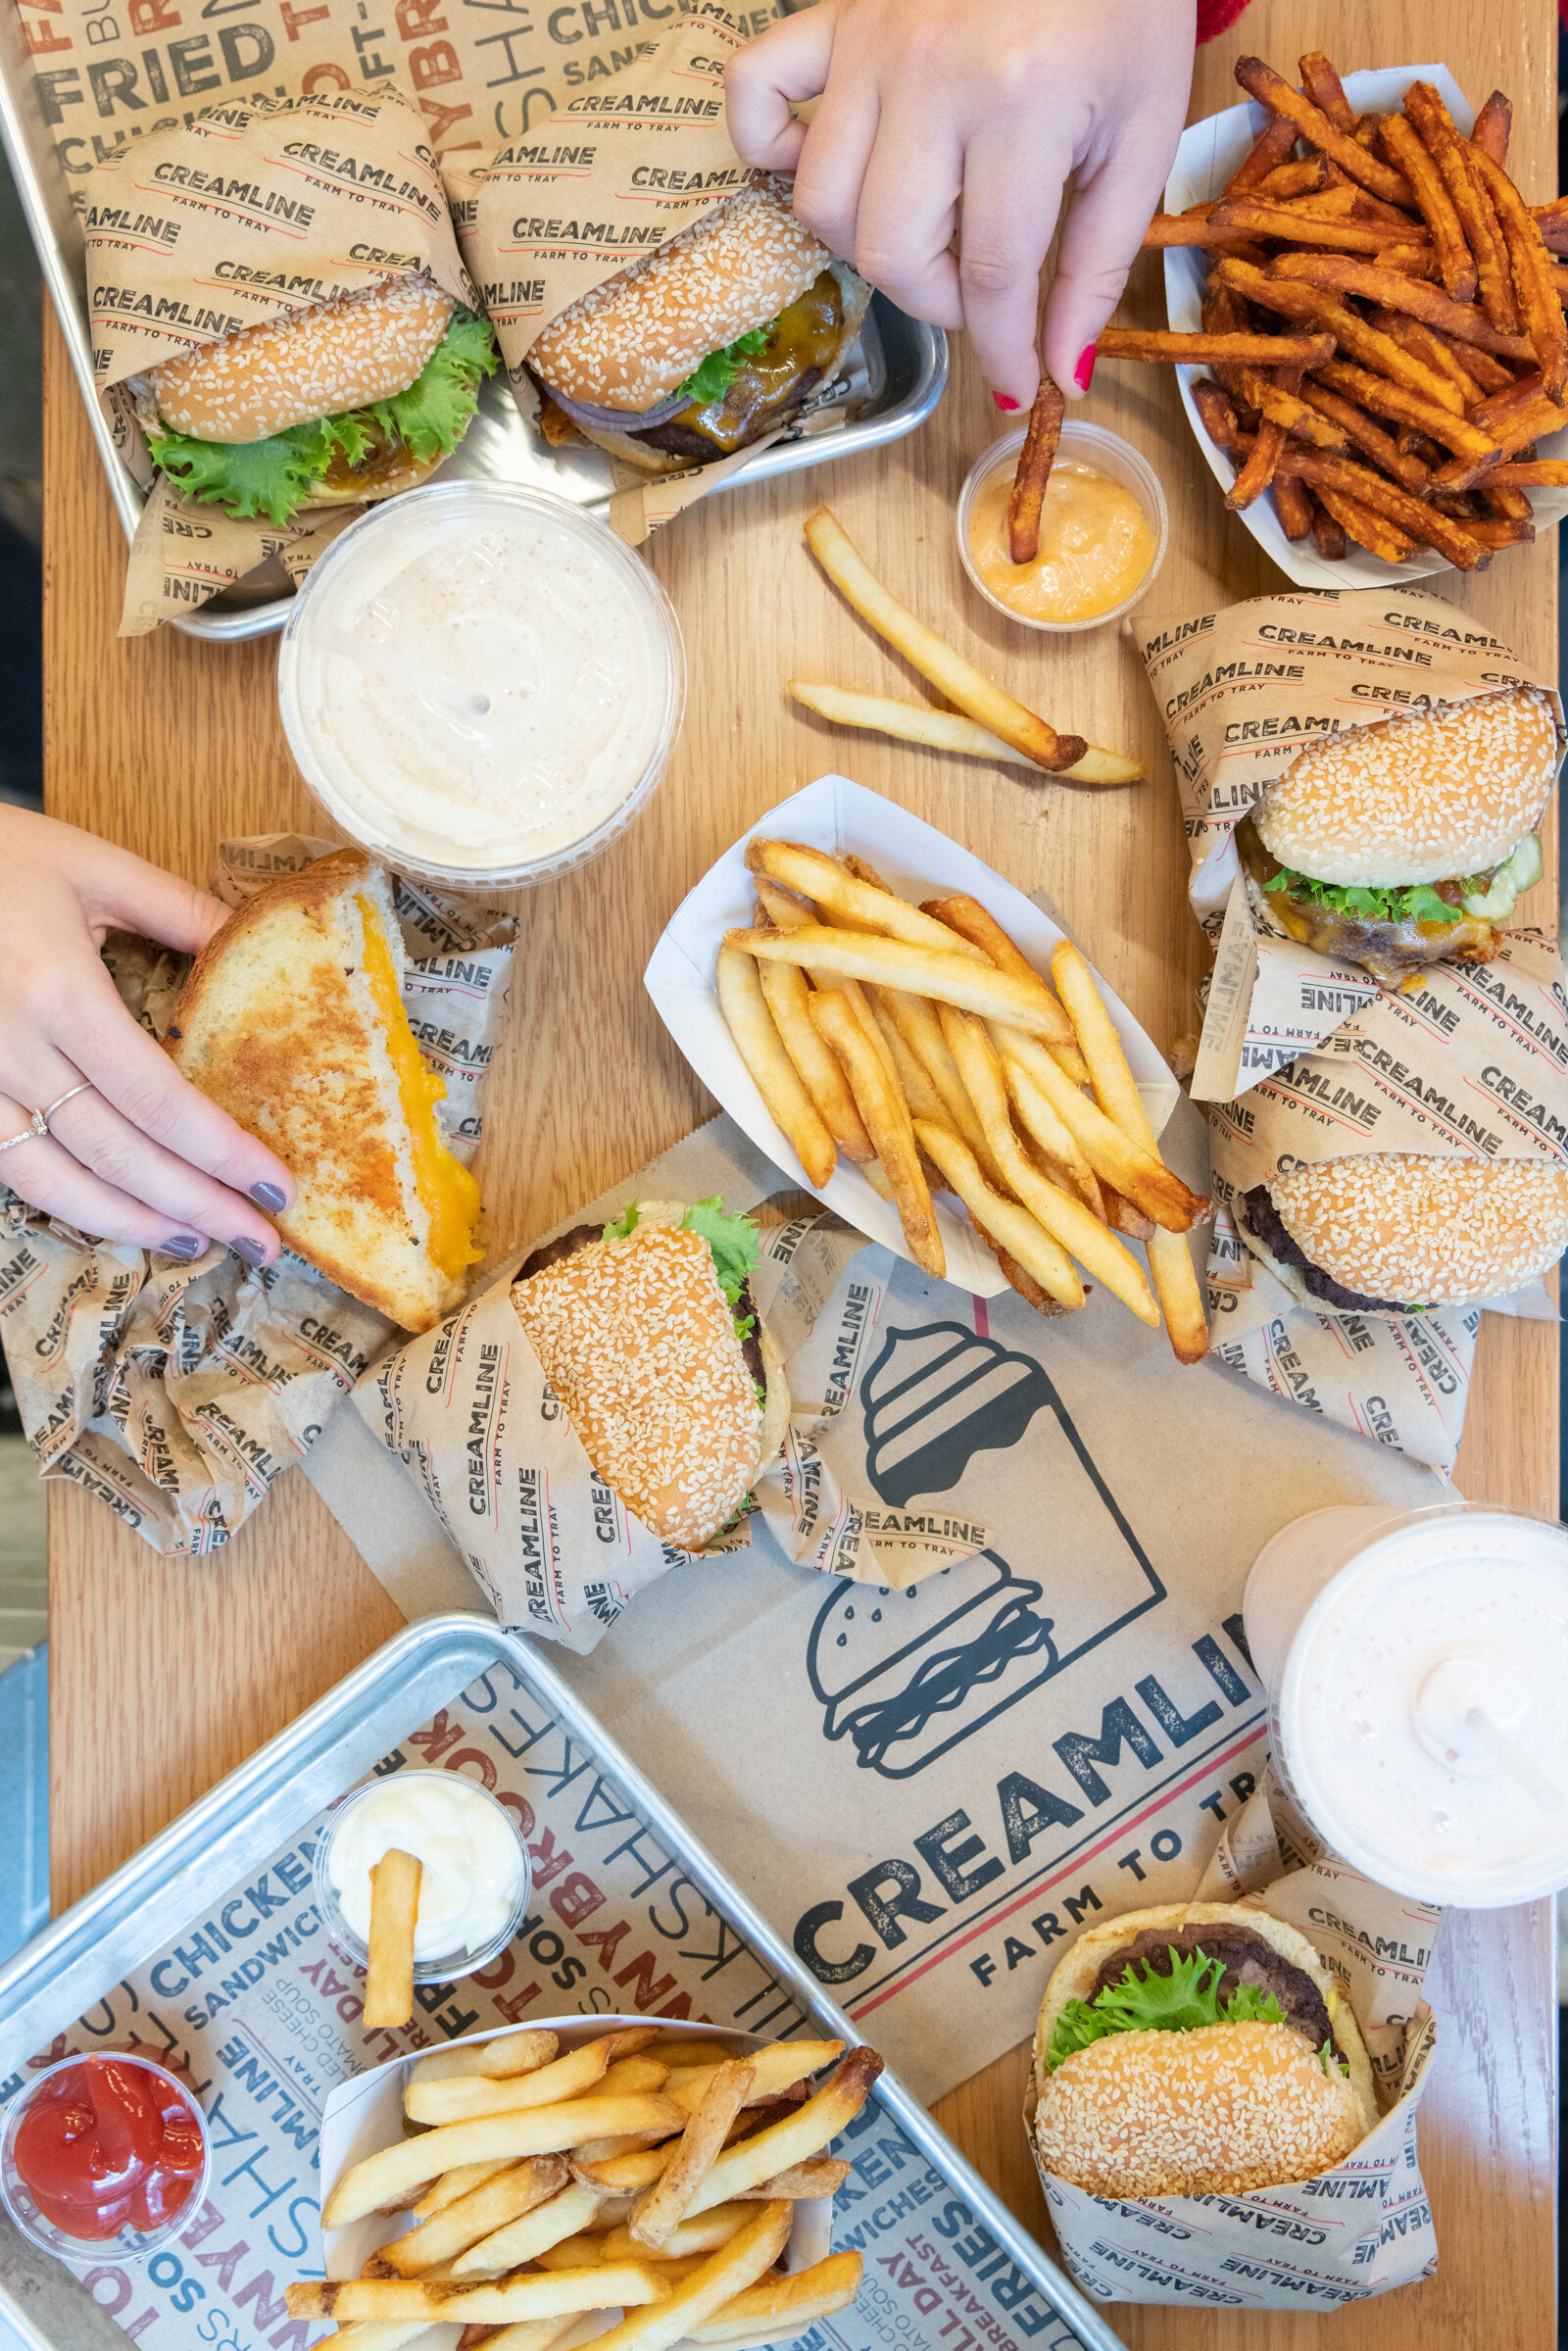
pixel 243 215
pixel 1473 1064
pixel 469 1411
pixel 1242 693
pixel 177 1393
pixel 1359 2229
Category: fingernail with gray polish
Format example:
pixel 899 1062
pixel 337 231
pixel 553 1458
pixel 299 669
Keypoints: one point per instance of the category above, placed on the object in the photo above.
pixel 249 1252
pixel 184 1245
pixel 267 1197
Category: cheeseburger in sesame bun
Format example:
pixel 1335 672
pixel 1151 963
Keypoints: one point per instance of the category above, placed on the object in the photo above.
pixel 1407 843
pixel 1197 2049
pixel 648 1333
pixel 345 402
pixel 700 348
pixel 1392 1233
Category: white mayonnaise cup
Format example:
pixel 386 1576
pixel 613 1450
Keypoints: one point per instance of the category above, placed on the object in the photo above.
pixel 1416 1668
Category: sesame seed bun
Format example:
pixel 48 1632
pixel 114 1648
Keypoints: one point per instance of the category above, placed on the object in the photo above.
pixel 1404 1229
pixel 638 1341
pixel 1218 2110
pixel 630 342
pixel 323 362
pixel 1428 796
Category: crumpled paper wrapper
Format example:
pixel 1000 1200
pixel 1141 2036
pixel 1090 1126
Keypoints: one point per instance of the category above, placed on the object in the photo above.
pixel 1359 2229
pixel 1475 1065
pixel 223 221
pixel 608 177
pixel 468 1410
pixel 1242 693
pixel 177 1393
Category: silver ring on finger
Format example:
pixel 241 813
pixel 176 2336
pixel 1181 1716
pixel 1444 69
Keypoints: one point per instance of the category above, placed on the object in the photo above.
pixel 68 1096
pixel 37 1125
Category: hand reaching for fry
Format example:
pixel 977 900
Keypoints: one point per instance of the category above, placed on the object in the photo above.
pixel 997 103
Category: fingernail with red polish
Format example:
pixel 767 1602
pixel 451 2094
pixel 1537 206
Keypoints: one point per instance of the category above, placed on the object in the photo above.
pixel 1083 375
pixel 1005 405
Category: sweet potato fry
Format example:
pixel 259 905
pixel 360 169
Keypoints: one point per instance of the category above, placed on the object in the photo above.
pixel 1268 351
pixel 1346 275
pixel 1553 221
pixel 1373 531
pixel 1325 90
pixel 1504 503
pixel 1373 442
pixel 1431 118
pixel 1493 126
pixel 1216 413
pixel 1328 535
pixel 1425 343
pixel 1530 267
pixel 1303 223
pixel 1258 466
pixel 1271 89
pixel 1539 473
pixel 1280 402
pixel 1383 399
pixel 1419 521
pixel 1492 532
pixel 1294 508
pixel 1409 153
pixel 1517 433
pixel 1034 461
pixel 1268 150
pixel 1305 177
pixel 1169 229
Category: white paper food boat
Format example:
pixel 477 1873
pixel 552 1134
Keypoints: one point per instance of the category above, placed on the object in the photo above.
pixel 918 863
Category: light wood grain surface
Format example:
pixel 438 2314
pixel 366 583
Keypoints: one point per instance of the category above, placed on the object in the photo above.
pixel 165 1674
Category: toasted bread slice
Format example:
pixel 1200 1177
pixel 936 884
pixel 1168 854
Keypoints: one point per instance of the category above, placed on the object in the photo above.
pixel 292 1021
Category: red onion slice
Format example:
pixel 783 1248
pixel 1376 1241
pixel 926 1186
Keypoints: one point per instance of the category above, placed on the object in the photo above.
pixel 618 419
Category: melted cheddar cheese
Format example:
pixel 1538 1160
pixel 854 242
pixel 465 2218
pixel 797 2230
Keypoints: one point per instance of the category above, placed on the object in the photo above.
pixel 447 1191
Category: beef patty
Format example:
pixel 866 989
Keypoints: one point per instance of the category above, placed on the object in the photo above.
pixel 1394 952
pixel 1264 1219
pixel 1247 1958
pixel 567 1244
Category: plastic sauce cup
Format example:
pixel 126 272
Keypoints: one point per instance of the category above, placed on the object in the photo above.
pixel 482 684
pixel 469 1952
pixel 1415 1666
pixel 1082 444
pixel 125 2242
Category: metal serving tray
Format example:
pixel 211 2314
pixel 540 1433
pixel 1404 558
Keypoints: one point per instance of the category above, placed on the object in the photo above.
pixel 898 373
pixel 164 1893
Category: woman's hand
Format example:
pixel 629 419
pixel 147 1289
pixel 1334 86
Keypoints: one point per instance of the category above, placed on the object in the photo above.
pixel 997 102
pixel 140 1155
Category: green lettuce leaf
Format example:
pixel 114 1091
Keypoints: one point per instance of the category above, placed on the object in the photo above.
pixel 713 377
pixel 1419 902
pixel 624 1225
pixel 277 476
pixel 1331 2063
pixel 1181 2003
pixel 732 1240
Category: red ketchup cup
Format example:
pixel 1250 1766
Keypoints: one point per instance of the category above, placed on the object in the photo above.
pixel 103 2157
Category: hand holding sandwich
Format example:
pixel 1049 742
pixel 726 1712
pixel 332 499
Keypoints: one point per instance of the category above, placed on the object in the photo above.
pixel 997 103
pixel 136 1154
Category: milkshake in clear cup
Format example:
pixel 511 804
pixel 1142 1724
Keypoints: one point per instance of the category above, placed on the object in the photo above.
pixel 1416 1668
pixel 482 684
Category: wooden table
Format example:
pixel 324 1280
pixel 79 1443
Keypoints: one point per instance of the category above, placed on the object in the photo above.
pixel 165 1674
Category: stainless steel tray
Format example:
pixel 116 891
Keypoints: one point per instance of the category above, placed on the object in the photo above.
pixel 899 371
pixel 170 1886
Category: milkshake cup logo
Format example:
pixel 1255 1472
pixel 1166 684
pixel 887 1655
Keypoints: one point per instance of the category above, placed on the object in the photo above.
pixel 934 1399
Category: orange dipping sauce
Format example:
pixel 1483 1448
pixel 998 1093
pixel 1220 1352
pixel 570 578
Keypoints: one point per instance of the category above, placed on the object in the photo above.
pixel 1096 545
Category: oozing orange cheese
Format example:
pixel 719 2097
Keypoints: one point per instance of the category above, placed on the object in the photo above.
pixel 447 1191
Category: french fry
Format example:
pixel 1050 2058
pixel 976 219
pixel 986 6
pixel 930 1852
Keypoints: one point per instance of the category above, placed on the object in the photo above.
pixel 950 730
pixel 1034 461
pixel 394 1917
pixel 921 1097
pixel 805 2133
pixel 813 875
pixel 527 2334
pixel 887 1123
pixel 700 2050
pixel 567 2214
pixel 791 2301
pixel 788 913
pixel 462 2180
pixel 962 913
pixel 540 2130
pixel 1323 87
pixel 477 2215
pixel 1134 1170
pixel 782 908
pixel 1342 274
pixel 572 2253
pixel 1019 1233
pixel 1493 125
pixel 1410 155
pixel 1170 1263
pixel 726 2274
pixel 546 2295
pixel 704 2235
pixel 773 1072
pixel 922 1031
pixel 803 2183
pixel 786 993
pixel 459 2098
pixel 952 676
pixel 655 2224
pixel 1162 343
pixel 951 977
pixel 1530 267
pixel 1553 221
pixel 1271 89
pixel 510 2053
pixel 1435 125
